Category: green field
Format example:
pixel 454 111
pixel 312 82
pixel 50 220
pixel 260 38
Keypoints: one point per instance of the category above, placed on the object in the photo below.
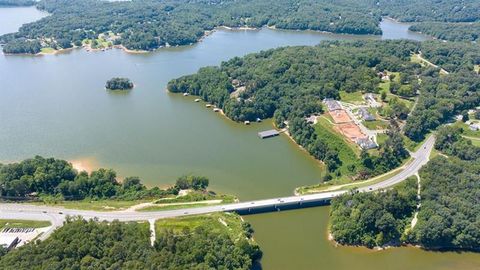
pixel 174 206
pixel 229 223
pixel 100 205
pixel 377 124
pixel 381 138
pixel 16 223
pixel 47 50
pixel 334 186
pixel 476 142
pixel 354 97
pixel 347 151
pixel 198 196
pixel 466 130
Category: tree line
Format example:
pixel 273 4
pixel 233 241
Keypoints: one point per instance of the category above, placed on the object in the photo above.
pixel 147 25
pixel 15 3
pixel 81 244
pixel 49 178
pixel 374 219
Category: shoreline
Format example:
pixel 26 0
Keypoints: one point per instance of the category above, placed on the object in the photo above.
pixel 200 39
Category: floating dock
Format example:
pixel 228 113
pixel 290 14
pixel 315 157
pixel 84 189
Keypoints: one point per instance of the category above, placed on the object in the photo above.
pixel 268 134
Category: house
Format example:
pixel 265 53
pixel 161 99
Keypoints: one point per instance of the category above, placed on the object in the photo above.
pixel 311 120
pixel 383 75
pixel 474 127
pixel 366 143
pixel 366 115
pixel 372 102
pixel 332 105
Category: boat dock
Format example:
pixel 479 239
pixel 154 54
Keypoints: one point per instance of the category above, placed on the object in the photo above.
pixel 268 134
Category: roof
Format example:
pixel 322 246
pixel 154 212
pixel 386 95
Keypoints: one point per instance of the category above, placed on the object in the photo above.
pixel 268 133
pixel 366 114
pixel 8 241
pixel 332 104
pixel 366 143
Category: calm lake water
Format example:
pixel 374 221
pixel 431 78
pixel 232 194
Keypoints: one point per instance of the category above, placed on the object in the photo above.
pixel 56 106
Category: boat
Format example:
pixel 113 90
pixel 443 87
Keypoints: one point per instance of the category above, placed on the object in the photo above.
pixel 216 109
pixel 198 100
pixel 185 94
pixel 208 105
pixel 247 122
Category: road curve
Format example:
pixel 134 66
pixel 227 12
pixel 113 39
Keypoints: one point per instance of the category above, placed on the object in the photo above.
pixel 57 215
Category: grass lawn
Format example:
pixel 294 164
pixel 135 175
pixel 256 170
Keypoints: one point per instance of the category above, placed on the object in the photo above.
pixel 355 97
pixel 47 50
pixel 195 196
pixel 229 223
pixel 16 223
pixel 377 124
pixel 334 185
pixel 476 142
pixel 174 206
pixel 347 151
pixel 381 138
pixel 466 130
pixel 101 205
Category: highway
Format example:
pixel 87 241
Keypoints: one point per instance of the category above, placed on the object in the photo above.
pixel 57 215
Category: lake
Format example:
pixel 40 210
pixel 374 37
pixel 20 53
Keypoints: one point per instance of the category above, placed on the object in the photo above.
pixel 56 105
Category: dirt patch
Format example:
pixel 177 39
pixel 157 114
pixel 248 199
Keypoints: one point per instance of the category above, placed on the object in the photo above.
pixel 340 116
pixel 351 131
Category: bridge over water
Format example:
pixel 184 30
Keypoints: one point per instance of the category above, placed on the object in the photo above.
pixel 57 215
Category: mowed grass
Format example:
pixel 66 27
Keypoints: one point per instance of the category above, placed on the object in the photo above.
pixel 354 97
pixel 466 130
pixel 100 205
pixel 377 124
pixel 17 223
pixel 476 142
pixel 348 152
pixel 385 87
pixel 174 206
pixel 229 223
pixel 47 50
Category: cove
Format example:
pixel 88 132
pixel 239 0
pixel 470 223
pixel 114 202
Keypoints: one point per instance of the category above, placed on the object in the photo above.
pixel 55 105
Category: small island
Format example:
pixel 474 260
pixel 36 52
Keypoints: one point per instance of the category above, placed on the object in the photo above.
pixel 119 84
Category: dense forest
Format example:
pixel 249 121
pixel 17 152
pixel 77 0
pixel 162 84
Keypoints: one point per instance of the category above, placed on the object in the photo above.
pixel 447 218
pixel 449 214
pixel 50 178
pixel 81 244
pixel 14 3
pixel 150 24
pixel 374 219
pixel 449 31
pixel 291 82
pixel 119 84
